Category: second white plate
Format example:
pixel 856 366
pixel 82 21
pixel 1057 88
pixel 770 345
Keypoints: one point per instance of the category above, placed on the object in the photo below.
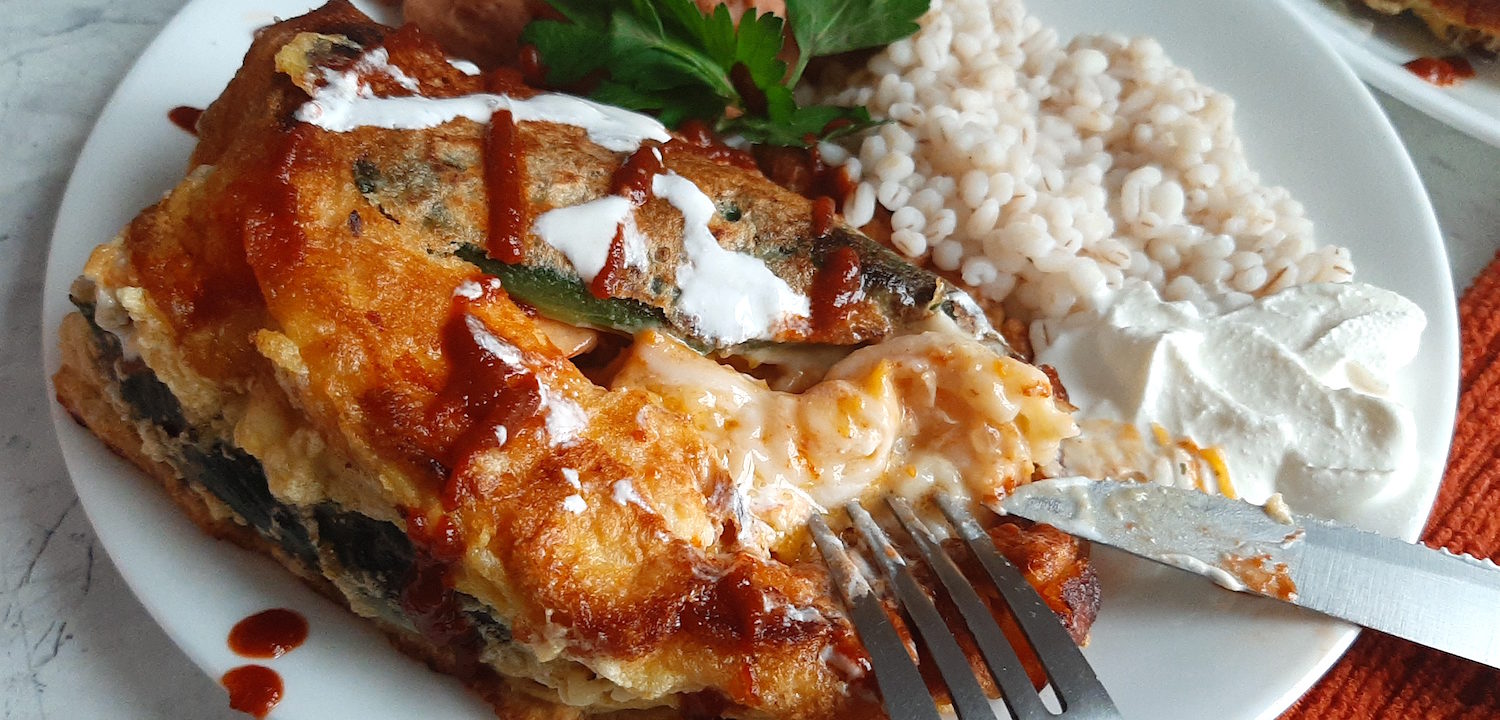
pixel 1377 45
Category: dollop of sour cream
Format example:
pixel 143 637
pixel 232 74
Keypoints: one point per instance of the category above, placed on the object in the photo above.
pixel 1292 389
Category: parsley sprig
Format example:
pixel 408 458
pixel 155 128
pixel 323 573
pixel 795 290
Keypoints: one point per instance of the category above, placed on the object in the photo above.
pixel 669 58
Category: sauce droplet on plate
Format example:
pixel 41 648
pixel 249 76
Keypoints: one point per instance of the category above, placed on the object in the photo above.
pixel 1441 71
pixel 268 634
pixel 253 689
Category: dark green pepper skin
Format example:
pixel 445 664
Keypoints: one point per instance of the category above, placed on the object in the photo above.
pixel 373 556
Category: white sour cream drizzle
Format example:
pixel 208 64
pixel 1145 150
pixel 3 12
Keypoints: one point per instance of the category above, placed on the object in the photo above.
pixel 1291 388
pixel 583 233
pixel 463 66
pixel 840 662
pixel 564 419
pixel 345 102
pixel 731 296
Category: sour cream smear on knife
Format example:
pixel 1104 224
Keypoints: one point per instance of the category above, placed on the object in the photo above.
pixel 1292 389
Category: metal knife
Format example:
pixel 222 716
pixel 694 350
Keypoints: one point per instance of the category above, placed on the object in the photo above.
pixel 1432 597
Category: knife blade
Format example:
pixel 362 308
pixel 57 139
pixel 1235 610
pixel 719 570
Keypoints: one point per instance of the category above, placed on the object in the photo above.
pixel 1432 597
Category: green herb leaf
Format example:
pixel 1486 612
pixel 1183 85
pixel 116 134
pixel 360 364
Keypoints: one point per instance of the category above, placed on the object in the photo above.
pixel 672 107
pixel 830 27
pixel 757 41
pixel 556 42
pixel 668 57
pixel 642 54
pixel 792 130
pixel 582 12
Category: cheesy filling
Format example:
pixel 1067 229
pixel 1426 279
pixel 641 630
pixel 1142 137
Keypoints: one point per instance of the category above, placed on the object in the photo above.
pixel 924 412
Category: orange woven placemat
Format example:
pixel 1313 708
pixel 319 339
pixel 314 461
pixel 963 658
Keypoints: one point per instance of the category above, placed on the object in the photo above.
pixel 1386 677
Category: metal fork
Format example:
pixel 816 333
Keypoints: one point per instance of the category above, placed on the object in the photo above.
pixel 905 693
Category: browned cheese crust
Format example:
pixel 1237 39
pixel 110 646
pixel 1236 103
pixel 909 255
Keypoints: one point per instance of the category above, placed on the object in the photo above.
pixel 276 286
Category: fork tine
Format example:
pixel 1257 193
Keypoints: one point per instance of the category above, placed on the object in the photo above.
pixel 901 684
pixel 1076 685
pixel 1015 686
pixel 968 698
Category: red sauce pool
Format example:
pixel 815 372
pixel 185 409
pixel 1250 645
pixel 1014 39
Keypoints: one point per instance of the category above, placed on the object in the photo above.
pixel 698 135
pixel 632 180
pixel 268 634
pixel 486 399
pixel 1441 71
pixel 253 689
pixel 803 171
pixel 185 117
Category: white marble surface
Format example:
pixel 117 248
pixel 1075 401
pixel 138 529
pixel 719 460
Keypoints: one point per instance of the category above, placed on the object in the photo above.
pixel 75 642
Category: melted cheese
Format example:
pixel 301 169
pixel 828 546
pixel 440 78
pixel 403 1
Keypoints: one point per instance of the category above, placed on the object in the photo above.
pixel 918 413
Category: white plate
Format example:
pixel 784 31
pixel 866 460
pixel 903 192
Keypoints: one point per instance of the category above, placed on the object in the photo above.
pixel 1377 45
pixel 1168 645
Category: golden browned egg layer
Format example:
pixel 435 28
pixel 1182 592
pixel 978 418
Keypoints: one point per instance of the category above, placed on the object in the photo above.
pixel 293 344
